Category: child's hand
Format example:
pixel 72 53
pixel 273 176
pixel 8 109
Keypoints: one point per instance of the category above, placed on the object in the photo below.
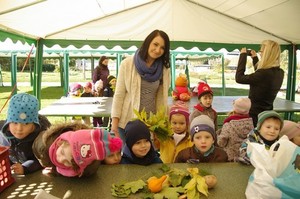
pixel 17 169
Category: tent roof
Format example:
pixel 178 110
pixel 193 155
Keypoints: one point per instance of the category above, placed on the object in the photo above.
pixel 128 22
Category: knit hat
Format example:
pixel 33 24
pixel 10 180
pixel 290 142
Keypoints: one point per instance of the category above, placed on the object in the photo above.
pixel 88 85
pixel 267 114
pixel 181 108
pixel 203 88
pixel 23 108
pixel 87 146
pixel 202 123
pixel 75 87
pixel 134 131
pixel 290 129
pixel 242 105
pixel 109 78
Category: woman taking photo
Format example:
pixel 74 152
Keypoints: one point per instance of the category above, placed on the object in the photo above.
pixel 267 79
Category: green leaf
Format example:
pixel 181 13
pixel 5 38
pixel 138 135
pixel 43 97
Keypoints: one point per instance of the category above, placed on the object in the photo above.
pixel 169 192
pixel 134 186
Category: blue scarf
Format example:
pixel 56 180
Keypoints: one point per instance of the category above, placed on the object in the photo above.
pixel 150 74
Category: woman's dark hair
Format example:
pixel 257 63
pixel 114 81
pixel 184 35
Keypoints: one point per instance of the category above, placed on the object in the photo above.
pixel 101 60
pixel 145 46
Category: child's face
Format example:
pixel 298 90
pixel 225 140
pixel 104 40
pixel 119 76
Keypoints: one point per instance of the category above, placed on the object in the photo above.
pixel 87 89
pixel 64 154
pixel 113 158
pixel 141 148
pixel 203 140
pixel 178 123
pixel 113 82
pixel 270 129
pixel 296 140
pixel 21 130
pixel 206 100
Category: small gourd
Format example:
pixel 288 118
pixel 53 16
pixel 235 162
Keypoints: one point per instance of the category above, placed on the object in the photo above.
pixel 155 184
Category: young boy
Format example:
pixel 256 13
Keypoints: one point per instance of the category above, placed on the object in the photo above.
pixel 269 125
pixel 23 125
pixel 236 128
pixel 179 119
pixel 204 107
pixel 109 91
pixel 87 92
pixel 138 148
pixel 203 137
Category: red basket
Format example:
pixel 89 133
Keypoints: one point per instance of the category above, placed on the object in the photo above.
pixel 6 178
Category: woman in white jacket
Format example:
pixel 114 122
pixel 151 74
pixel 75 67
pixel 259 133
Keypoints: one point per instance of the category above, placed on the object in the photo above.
pixel 143 81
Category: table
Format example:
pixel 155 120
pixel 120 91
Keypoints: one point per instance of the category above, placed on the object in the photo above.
pixel 79 106
pixel 232 181
pixel 223 104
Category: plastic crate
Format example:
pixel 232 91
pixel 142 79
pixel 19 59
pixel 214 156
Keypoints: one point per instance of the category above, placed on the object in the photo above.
pixel 6 178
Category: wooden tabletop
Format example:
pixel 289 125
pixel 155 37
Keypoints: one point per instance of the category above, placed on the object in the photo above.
pixel 232 181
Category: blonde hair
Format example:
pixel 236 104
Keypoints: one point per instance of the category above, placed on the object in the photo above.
pixel 270 56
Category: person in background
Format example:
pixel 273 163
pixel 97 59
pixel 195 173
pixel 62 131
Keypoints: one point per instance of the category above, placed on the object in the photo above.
pixel 109 92
pixel 179 119
pixel 87 92
pixel 266 132
pixel 235 128
pixel 204 107
pixel 292 131
pixel 204 147
pixel 23 124
pixel 138 146
pixel 267 79
pixel 73 149
pixel 100 74
pixel 143 81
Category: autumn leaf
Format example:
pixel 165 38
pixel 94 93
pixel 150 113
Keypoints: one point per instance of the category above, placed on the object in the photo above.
pixel 169 192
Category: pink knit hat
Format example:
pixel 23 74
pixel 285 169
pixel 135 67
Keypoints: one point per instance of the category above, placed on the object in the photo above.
pixel 181 108
pixel 242 105
pixel 290 129
pixel 87 145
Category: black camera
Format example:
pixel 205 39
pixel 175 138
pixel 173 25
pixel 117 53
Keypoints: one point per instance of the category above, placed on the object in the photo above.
pixel 249 52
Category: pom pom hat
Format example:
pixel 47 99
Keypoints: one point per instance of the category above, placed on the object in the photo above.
pixel 181 108
pixel 267 114
pixel 110 77
pixel 88 85
pixel 204 88
pixel 290 129
pixel 242 105
pixel 202 123
pixel 87 146
pixel 23 108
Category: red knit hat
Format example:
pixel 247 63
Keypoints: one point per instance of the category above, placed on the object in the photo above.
pixel 181 108
pixel 203 88
pixel 88 85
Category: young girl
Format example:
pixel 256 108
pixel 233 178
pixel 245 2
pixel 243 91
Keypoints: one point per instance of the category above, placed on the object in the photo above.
pixel 74 149
pixel 204 107
pixel 236 128
pixel 203 137
pixel 292 130
pixel 179 119
pixel 267 132
pixel 138 148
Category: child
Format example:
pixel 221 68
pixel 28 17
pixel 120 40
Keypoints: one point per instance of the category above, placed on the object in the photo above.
pixel 204 107
pixel 236 128
pixel 22 126
pixel 179 119
pixel 75 90
pixel 73 149
pixel 203 137
pixel 292 131
pixel 109 91
pixel 138 148
pixel 87 92
pixel 266 132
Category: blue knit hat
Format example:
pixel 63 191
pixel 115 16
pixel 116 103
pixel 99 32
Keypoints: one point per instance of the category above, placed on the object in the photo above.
pixel 23 108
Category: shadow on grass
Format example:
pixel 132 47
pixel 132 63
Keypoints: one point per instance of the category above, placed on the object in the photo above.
pixel 52 92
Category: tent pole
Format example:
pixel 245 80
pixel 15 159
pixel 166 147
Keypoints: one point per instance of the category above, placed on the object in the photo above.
pixel 38 68
pixel 14 72
pixel 66 73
